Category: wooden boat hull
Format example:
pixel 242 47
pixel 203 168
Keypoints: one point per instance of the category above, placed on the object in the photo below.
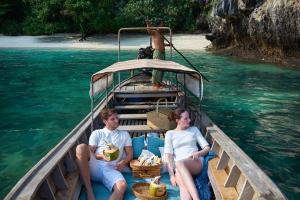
pixel 233 175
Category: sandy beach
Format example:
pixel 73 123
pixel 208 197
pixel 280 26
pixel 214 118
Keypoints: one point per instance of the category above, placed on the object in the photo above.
pixel 129 41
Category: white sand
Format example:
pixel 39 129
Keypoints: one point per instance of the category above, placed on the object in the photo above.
pixel 132 41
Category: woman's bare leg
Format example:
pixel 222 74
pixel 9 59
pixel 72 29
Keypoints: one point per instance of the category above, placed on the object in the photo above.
pixel 187 168
pixel 184 193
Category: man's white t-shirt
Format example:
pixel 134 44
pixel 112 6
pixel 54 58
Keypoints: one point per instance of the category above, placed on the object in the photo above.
pixel 183 143
pixel 117 137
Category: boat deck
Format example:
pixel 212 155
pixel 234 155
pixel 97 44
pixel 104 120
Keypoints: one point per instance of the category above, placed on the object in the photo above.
pixel 102 193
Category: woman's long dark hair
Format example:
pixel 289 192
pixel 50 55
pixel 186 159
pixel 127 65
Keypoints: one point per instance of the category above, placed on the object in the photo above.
pixel 177 113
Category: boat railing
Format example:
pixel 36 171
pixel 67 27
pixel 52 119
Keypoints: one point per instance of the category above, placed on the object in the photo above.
pixel 232 172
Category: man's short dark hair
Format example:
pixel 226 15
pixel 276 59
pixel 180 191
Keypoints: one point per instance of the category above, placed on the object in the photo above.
pixel 107 112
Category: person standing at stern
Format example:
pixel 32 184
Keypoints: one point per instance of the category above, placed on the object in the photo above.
pixel 159 50
pixel 181 148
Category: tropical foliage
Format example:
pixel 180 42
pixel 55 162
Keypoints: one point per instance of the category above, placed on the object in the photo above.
pixel 34 17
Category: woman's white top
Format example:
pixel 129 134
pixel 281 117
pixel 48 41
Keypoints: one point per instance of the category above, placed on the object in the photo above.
pixel 183 143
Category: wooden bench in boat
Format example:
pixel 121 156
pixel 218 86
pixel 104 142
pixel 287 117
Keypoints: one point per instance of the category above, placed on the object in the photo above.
pixel 233 175
pixel 141 107
pixel 137 128
pixel 139 94
pixel 131 116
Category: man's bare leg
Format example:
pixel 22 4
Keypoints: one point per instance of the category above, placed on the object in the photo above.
pixel 187 168
pixel 118 190
pixel 82 159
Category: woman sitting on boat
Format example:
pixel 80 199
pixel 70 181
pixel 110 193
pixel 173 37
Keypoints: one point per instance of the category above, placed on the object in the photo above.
pixel 181 147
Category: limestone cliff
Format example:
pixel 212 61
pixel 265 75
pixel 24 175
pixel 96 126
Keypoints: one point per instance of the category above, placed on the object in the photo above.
pixel 266 28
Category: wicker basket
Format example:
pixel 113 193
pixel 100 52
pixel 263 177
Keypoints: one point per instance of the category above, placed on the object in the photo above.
pixel 144 171
pixel 141 191
pixel 161 118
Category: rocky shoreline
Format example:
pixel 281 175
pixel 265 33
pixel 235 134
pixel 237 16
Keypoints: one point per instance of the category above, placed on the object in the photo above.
pixel 265 30
pixel 254 56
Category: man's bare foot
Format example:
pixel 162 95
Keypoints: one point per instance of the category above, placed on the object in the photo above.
pixel 157 85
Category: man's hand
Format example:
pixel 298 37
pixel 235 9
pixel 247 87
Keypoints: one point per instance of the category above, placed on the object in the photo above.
pixel 120 165
pixel 148 22
pixel 100 156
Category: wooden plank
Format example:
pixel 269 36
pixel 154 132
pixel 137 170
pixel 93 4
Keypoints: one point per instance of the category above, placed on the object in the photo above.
pixel 70 163
pixel 137 128
pixel 215 147
pixel 240 183
pixel 58 178
pixel 229 166
pixel 218 178
pixel 233 177
pixel 132 116
pixel 51 184
pixel 247 192
pixel 62 167
pixel 137 95
pixel 72 180
pixel 45 192
pixel 77 190
pixel 145 103
pixel 142 107
pixel 223 161
pixel 144 90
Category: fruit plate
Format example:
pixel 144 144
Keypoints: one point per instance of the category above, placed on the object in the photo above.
pixel 141 191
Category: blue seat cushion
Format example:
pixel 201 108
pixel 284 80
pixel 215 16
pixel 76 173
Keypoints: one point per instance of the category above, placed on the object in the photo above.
pixel 102 193
pixel 153 144
pixel 138 144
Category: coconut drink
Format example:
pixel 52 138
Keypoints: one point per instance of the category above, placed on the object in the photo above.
pixel 156 188
pixel 111 152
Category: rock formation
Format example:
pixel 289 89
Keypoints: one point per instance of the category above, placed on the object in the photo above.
pixel 266 28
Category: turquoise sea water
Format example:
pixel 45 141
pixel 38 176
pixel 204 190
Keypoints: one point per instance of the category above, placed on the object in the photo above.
pixel 44 94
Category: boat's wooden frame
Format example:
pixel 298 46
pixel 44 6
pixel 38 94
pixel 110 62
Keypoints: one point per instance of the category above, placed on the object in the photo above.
pixel 232 174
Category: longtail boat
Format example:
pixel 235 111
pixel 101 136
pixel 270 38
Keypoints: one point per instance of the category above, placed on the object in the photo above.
pixel 126 86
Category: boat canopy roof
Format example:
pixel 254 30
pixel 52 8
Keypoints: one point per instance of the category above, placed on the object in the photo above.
pixel 143 64
pixel 103 78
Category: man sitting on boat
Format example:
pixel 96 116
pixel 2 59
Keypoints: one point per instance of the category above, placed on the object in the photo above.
pixel 181 145
pixel 92 162
pixel 159 50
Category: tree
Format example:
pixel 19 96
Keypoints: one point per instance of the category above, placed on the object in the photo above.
pixel 45 17
pixel 81 11
pixel 12 14
pixel 176 13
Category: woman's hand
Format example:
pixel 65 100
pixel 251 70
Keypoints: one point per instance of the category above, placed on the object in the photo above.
pixel 173 180
pixel 195 155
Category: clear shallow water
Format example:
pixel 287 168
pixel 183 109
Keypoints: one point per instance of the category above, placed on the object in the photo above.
pixel 44 94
